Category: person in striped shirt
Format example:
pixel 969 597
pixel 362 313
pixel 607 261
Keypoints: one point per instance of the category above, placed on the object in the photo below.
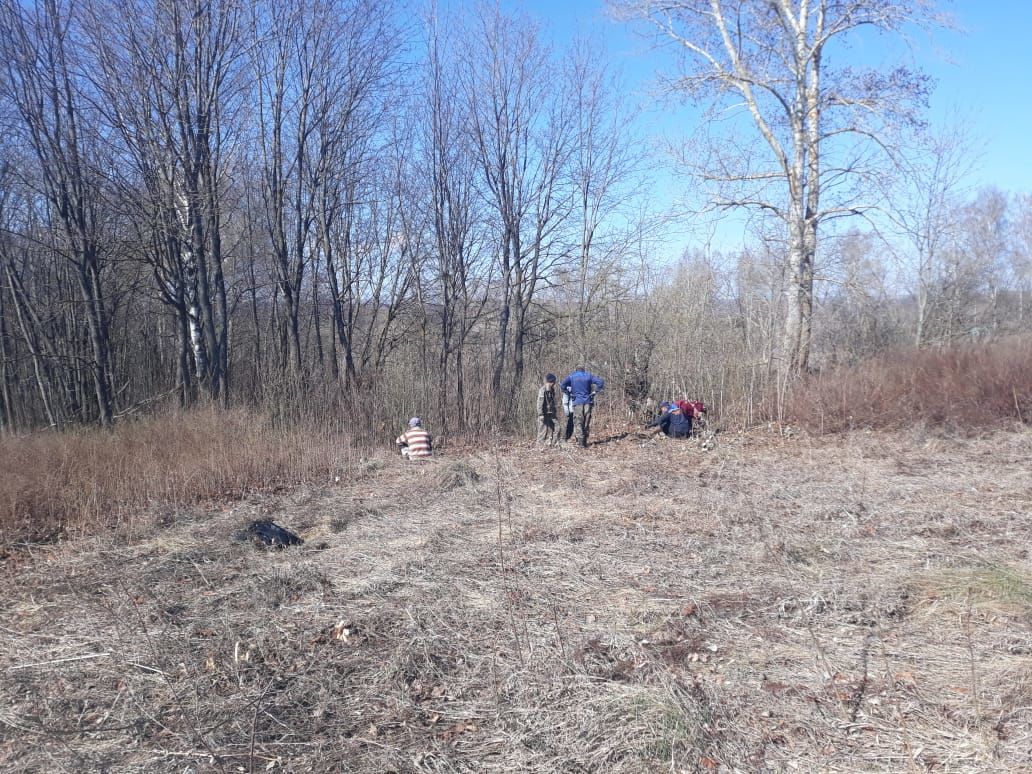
pixel 415 442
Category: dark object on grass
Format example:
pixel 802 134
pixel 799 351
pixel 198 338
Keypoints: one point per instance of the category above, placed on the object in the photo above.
pixel 272 534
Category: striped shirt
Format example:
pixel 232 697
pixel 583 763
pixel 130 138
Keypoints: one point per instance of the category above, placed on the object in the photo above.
pixel 416 443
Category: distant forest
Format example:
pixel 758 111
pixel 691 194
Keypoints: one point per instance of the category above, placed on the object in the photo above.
pixel 335 206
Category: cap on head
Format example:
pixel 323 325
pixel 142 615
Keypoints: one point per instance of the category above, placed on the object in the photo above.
pixel 665 405
pixel 415 422
pixel 550 378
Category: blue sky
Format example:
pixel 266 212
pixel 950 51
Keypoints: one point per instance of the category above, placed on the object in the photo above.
pixel 983 72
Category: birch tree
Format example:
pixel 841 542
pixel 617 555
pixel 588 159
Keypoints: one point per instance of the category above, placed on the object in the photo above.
pixel 791 134
pixel 168 71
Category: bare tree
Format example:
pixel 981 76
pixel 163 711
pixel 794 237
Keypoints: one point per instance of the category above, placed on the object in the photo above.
pixel 855 307
pixel 605 161
pixel 298 84
pixel 455 270
pixel 1021 257
pixel 817 126
pixel 986 243
pixel 167 70
pixel 521 126
pixel 45 83
pixel 923 198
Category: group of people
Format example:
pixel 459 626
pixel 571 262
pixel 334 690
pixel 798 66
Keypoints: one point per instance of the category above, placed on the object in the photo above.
pixel 578 389
pixel 576 396
pixel 675 420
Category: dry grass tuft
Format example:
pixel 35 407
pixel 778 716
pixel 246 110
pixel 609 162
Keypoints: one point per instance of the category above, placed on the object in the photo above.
pixel 77 482
pixel 456 474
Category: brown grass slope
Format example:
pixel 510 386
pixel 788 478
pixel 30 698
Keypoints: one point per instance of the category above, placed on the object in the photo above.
pixel 862 603
pixel 56 485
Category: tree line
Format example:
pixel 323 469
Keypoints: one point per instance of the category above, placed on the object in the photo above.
pixel 337 206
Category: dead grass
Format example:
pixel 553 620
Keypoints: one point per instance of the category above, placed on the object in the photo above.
pixel 965 387
pixel 844 605
pixel 58 484
pixel 455 474
pixel 991 587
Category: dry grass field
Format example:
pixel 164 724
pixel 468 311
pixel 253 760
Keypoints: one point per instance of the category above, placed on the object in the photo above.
pixel 845 604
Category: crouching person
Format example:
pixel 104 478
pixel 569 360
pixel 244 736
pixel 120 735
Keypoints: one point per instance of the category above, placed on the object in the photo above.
pixel 416 441
pixel 673 422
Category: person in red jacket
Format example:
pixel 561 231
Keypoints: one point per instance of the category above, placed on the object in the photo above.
pixel 692 408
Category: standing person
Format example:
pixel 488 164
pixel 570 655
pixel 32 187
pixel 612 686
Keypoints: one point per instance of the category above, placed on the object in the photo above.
pixel 415 442
pixel 582 386
pixel 568 413
pixel 547 412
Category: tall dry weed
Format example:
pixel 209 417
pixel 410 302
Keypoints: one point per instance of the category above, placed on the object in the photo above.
pixel 59 483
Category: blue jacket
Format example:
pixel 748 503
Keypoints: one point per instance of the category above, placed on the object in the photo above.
pixel 582 385
pixel 676 424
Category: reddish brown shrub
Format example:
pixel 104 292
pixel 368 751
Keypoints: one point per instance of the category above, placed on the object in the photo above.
pixel 962 387
pixel 57 483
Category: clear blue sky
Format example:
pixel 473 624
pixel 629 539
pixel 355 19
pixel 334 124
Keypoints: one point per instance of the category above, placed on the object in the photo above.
pixel 983 71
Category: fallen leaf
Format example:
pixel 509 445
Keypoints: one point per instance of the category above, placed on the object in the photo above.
pixel 905 678
pixel 452 732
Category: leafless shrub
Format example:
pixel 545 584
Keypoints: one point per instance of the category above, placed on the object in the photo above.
pixel 963 387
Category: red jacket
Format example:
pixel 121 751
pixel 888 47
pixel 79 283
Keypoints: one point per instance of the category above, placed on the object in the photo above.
pixel 691 408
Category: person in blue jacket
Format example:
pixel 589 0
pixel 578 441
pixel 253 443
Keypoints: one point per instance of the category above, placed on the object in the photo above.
pixel 581 386
pixel 673 421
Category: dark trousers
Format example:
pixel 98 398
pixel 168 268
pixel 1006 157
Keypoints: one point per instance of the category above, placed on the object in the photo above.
pixel 582 417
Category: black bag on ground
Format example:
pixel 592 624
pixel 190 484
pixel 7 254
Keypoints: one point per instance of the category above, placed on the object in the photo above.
pixel 272 534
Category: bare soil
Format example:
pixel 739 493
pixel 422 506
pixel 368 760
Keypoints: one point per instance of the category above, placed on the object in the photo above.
pixel 851 604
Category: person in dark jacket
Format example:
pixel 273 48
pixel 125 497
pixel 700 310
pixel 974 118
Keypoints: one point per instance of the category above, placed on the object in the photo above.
pixel 582 386
pixel 547 413
pixel 673 422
